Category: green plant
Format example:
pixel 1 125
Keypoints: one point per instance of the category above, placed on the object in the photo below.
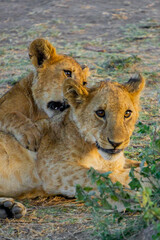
pixel 142 207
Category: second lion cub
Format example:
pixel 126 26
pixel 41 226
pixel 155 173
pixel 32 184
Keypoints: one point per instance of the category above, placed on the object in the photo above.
pixel 38 95
pixel 93 132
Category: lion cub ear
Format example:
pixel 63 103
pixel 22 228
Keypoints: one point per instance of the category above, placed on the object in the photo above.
pixel 135 84
pixel 86 71
pixel 41 50
pixel 74 92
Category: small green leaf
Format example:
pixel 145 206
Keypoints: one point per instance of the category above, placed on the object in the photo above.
pixel 135 184
pixel 106 174
pixel 88 189
pixel 114 197
pixel 131 173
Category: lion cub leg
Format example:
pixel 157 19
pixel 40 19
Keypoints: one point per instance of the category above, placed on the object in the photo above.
pixel 131 163
pixel 23 129
pixel 11 209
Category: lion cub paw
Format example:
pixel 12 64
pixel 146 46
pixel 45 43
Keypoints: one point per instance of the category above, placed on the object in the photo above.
pixel 131 163
pixel 29 138
pixel 11 209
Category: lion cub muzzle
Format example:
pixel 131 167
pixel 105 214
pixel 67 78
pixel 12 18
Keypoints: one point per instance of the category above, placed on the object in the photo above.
pixel 109 151
pixel 61 106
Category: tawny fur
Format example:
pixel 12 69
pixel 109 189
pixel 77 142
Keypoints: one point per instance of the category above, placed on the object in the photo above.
pixel 68 148
pixel 26 102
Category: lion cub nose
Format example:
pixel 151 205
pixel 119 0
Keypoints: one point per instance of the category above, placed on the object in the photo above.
pixel 114 144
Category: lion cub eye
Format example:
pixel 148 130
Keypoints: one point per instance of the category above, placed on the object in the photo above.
pixel 84 83
pixel 127 114
pixel 100 113
pixel 68 73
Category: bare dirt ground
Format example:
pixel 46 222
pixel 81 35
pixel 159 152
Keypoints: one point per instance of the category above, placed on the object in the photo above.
pixel 115 39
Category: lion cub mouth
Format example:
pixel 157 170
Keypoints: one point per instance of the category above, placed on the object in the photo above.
pixel 61 106
pixel 109 151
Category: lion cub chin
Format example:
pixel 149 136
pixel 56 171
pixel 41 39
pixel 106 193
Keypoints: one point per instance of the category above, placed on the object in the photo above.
pixel 111 157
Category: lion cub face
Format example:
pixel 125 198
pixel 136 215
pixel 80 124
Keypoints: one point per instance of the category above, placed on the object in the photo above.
pixel 51 71
pixel 106 115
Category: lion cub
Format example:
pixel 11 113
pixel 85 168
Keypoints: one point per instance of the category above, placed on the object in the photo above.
pixel 93 132
pixel 39 95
